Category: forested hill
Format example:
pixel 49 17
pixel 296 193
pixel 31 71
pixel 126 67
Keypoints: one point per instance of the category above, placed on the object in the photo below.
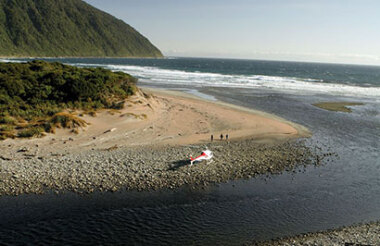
pixel 51 28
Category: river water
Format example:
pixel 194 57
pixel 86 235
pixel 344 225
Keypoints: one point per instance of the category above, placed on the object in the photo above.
pixel 343 191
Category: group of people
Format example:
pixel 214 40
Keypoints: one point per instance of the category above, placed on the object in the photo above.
pixel 221 137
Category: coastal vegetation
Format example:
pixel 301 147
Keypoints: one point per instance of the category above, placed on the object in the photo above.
pixel 36 97
pixel 50 28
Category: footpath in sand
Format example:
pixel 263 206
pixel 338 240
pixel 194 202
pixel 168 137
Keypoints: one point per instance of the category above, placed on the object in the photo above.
pixel 146 146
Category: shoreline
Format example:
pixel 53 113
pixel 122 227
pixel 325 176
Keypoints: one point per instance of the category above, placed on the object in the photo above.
pixel 143 159
pixel 153 167
pixel 302 130
pixel 162 118
pixel 357 234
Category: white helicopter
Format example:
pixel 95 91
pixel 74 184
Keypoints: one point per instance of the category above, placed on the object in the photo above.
pixel 206 155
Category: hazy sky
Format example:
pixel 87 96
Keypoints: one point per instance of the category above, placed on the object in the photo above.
pixel 344 31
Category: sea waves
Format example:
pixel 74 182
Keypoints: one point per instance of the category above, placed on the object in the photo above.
pixel 157 75
pixel 200 79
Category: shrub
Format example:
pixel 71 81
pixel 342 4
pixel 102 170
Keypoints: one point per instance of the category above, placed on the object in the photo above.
pixel 31 132
pixel 39 88
pixel 42 90
pixel 7 131
pixel 6 128
pixel 118 105
pixel 5 135
pixel 7 120
pixel 48 127
pixel 92 113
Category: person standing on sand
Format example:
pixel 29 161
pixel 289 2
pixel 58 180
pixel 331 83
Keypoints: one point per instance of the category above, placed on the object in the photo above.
pixel 221 136
pixel 212 137
pixel 227 136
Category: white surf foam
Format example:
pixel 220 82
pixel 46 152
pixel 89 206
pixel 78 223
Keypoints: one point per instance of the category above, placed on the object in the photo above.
pixel 198 79
pixel 10 60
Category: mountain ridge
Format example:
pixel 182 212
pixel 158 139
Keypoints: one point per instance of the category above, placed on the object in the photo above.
pixel 67 28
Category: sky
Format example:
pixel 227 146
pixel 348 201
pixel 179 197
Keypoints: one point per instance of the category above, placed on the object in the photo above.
pixel 337 31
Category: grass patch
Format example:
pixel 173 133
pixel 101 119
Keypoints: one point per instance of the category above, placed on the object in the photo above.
pixel 7 134
pixel 129 115
pixel 92 113
pixel 136 116
pixel 7 131
pixel 7 120
pixel 67 120
pixel 39 127
pixel 118 105
pixel 6 128
pixel 337 106
pixel 114 111
pixel 31 132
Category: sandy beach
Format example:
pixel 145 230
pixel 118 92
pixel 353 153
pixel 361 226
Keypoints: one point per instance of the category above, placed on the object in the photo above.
pixel 147 144
pixel 189 123
pixel 162 118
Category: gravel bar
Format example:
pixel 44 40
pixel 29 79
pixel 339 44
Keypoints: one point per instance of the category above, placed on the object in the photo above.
pixel 151 168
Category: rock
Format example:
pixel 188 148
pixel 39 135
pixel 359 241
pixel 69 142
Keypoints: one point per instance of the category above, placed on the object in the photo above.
pixel 23 149
pixel 110 130
pixel 5 158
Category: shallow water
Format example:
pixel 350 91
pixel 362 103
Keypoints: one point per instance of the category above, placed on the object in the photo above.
pixel 343 191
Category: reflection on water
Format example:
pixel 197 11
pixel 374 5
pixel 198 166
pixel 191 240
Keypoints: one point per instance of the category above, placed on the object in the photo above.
pixel 341 192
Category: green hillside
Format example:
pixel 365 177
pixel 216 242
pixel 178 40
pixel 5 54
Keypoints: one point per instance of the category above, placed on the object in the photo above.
pixel 51 28
pixel 36 96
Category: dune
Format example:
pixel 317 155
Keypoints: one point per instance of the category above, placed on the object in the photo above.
pixel 159 117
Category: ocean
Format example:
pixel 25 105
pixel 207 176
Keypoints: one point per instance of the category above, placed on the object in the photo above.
pixel 339 79
pixel 343 191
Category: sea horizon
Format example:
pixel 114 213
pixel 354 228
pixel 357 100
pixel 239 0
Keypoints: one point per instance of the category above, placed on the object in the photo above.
pixel 4 58
pixel 307 199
